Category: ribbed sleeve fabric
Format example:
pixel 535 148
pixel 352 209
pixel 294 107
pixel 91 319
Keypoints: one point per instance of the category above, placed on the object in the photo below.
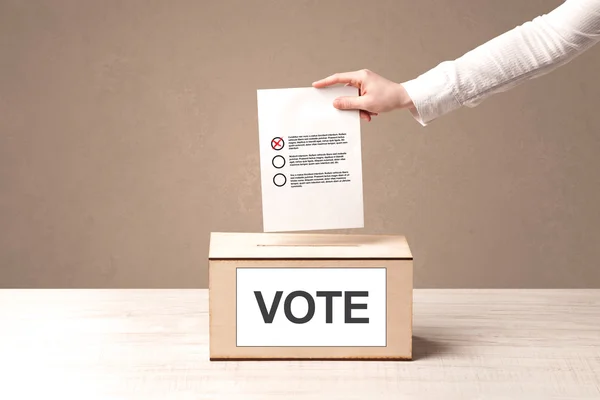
pixel 525 52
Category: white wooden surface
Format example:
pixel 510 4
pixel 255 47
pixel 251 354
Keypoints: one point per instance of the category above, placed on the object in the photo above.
pixel 153 344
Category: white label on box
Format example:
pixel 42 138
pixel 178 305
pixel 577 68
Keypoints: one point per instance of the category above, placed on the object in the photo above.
pixel 316 307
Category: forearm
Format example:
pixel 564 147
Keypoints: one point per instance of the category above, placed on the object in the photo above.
pixel 527 51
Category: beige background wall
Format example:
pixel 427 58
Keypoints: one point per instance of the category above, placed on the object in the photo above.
pixel 128 132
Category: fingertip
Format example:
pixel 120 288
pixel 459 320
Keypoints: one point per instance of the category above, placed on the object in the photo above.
pixel 321 83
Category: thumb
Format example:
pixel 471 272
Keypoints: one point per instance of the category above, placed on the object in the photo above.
pixel 349 103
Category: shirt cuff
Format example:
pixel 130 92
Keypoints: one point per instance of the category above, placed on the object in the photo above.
pixel 432 94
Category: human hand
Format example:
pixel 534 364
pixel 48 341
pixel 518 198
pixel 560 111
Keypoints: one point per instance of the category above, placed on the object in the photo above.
pixel 376 93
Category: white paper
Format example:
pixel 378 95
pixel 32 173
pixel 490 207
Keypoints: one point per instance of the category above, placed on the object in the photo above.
pixel 310 160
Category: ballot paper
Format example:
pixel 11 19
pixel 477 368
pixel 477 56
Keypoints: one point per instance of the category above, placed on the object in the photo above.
pixel 310 160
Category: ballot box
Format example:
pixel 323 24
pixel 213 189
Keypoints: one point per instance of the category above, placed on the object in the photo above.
pixel 310 296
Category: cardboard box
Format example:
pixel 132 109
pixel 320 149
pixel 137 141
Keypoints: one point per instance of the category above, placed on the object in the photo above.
pixel 310 296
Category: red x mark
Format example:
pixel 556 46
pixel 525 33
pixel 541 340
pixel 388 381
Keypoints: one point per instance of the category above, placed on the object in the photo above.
pixel 277 143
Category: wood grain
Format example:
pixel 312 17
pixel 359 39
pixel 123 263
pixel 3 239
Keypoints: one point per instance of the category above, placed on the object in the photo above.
pixel 153 344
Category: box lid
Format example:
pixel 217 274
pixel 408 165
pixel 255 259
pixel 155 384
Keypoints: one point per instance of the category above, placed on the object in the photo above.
pixel 225 245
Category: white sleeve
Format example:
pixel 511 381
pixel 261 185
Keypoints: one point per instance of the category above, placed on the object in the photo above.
pixel 525 52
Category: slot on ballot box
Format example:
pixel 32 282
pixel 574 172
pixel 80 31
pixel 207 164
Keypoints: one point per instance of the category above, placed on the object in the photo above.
pixel 310 296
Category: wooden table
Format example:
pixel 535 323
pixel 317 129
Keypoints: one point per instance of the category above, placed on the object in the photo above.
pixel 153 344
